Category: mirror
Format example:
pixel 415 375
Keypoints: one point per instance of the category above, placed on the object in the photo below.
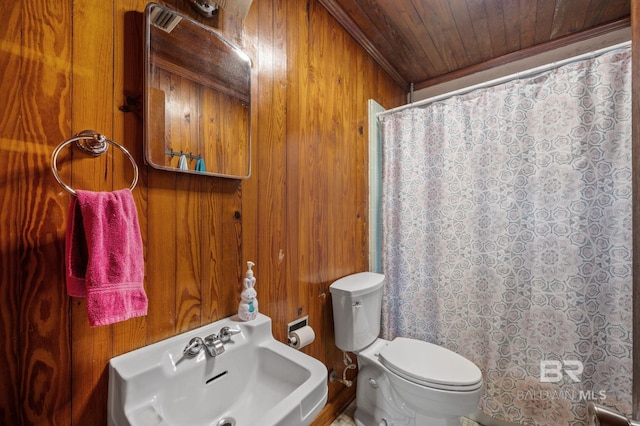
pixel 197 98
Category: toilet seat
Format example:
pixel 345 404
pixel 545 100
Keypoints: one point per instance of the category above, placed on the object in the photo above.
pixel 430 365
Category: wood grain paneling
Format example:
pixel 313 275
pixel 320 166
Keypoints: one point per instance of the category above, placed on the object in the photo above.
pixel 41 311
pixel 70 66
pixel 319 156
pixel 14 152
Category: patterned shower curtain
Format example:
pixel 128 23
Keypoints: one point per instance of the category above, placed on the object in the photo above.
pixel 507 236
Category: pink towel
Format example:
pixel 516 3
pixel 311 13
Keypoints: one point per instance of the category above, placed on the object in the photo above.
pixel 104 256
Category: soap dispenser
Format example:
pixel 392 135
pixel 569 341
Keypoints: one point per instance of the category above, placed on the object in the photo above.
pixel 248 308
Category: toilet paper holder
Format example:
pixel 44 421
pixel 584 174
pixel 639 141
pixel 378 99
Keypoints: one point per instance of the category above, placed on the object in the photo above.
pixel 298 325
pixel 603 416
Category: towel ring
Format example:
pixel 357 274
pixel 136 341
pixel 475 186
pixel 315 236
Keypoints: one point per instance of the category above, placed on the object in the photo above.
pixel 94 144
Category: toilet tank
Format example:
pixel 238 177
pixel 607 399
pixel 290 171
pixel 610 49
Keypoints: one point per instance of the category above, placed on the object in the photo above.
pixel 357 300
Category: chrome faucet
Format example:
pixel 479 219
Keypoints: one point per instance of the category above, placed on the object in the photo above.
pixel 194 347
pixel 214 343
pixel 226 333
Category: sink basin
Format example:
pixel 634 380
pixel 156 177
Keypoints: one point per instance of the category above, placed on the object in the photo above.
pixel 257 381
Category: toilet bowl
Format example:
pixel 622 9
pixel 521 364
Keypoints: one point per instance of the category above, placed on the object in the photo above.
pixel 403 381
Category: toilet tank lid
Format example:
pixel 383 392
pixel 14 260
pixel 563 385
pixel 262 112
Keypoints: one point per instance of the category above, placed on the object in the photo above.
pixel 357 284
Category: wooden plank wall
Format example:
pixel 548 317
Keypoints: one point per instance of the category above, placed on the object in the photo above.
pixel 67 66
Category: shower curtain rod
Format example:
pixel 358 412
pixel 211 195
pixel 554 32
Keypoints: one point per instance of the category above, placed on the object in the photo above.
pixel 510 77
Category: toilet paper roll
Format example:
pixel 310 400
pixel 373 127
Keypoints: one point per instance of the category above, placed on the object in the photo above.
pixel 301 337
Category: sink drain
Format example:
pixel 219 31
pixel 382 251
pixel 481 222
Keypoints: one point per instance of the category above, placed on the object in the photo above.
pixel 226 421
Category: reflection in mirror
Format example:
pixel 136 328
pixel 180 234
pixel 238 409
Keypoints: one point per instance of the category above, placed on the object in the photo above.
pixel 197 98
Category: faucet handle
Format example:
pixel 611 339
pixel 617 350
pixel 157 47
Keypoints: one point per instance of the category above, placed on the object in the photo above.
pixel 227 332
pixel 194 347
pixel 214 344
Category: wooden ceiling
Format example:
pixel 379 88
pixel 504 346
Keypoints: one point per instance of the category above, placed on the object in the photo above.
pixel 426 42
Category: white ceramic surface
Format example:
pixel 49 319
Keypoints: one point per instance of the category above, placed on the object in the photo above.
pixel 256 381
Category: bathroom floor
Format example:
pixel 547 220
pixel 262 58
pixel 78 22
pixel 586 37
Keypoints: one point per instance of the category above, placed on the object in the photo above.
pixel 346 418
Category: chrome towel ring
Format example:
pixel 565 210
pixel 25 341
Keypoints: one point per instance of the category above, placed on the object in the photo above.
pixel 94 144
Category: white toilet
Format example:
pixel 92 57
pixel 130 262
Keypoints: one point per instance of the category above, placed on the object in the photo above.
pixel 404 381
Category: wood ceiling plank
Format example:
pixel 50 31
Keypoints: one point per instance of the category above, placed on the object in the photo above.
pixel 441 26
pixel 428 30
pixel 478 11
pixel 512 24
pixel 569 17
pixel 422 40
pixel 614 10
pixel 528 11
pixel 595 12
pixel 495 14
pixel 392 24
pixel 425 52
pixel 371 17
pixel 423 57
pixel 528 52
pixel 544 20
pixel 465 24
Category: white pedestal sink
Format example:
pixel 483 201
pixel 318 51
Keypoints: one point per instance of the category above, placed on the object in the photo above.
pixel 257 381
